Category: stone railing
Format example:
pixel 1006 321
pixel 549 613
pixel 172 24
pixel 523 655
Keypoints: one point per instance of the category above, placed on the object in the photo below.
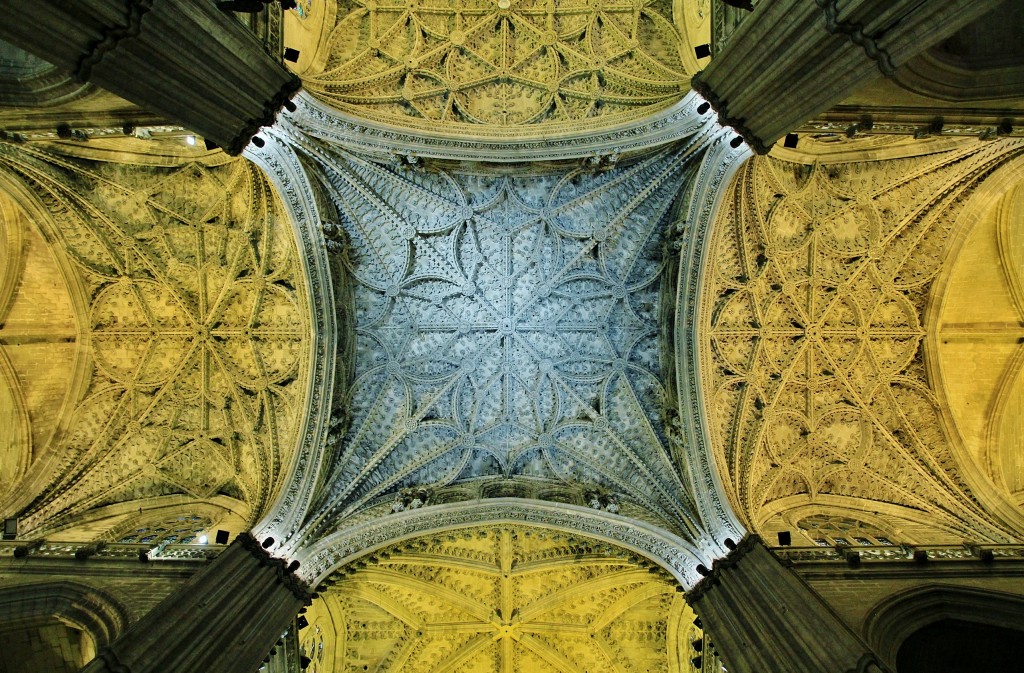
pixel 917 553
pixel 108 551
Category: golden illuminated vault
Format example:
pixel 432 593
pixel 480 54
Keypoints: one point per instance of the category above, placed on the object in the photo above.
pixel 489 66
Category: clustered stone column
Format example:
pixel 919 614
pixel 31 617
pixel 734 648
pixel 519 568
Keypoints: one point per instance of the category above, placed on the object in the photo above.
pixel 226 619
pixel 793 59
pixel 188 61
pixel 763 617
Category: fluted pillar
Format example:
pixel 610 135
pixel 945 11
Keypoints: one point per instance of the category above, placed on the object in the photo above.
pixel 793 59
pixel 225 619
pixel 187 61
pixel 763 617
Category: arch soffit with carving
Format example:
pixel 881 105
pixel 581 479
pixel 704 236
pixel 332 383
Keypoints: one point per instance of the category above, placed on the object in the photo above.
pixel 719 165
pixel 281 164
pixel 674 554
pixel 88 608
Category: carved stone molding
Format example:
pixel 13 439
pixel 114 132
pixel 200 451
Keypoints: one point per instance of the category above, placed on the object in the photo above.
pixel 676 555
pixel 386 141
pixel 281 164
pixel 694 231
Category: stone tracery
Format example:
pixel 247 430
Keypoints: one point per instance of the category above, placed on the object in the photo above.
pixel 506 329
pixel 493 65
pixel 815 376
pixel 196 341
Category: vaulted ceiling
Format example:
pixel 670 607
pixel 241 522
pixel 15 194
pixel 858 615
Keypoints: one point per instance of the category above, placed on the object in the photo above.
pixel 154 337
pixel 359 329
pixel 493 67
pixel 505 598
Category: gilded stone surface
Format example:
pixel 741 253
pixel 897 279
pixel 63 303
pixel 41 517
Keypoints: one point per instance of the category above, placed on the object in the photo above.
pixel 496 66
pixel 816 383
pixel 195 332
pixel 500 599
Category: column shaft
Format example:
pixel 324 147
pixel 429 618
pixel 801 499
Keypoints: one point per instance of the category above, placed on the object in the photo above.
pixel 793 59
pixel 187 61
pixel 763 617
pixel 225 619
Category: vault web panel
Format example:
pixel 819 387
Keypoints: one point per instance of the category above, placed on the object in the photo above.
pixel 506 326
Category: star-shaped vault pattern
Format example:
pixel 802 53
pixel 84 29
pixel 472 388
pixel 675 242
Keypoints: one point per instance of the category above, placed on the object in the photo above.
pixel 502 63
pixel 490 600
pixel 506 329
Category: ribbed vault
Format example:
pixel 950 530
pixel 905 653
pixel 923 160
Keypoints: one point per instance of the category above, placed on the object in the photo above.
pixel 507 338
pixel 817 392
pixel 499 67
pixel 184 369
pixel 500 599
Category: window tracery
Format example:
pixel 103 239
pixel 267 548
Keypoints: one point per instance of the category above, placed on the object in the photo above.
pixel 830 531
pixel 184 529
